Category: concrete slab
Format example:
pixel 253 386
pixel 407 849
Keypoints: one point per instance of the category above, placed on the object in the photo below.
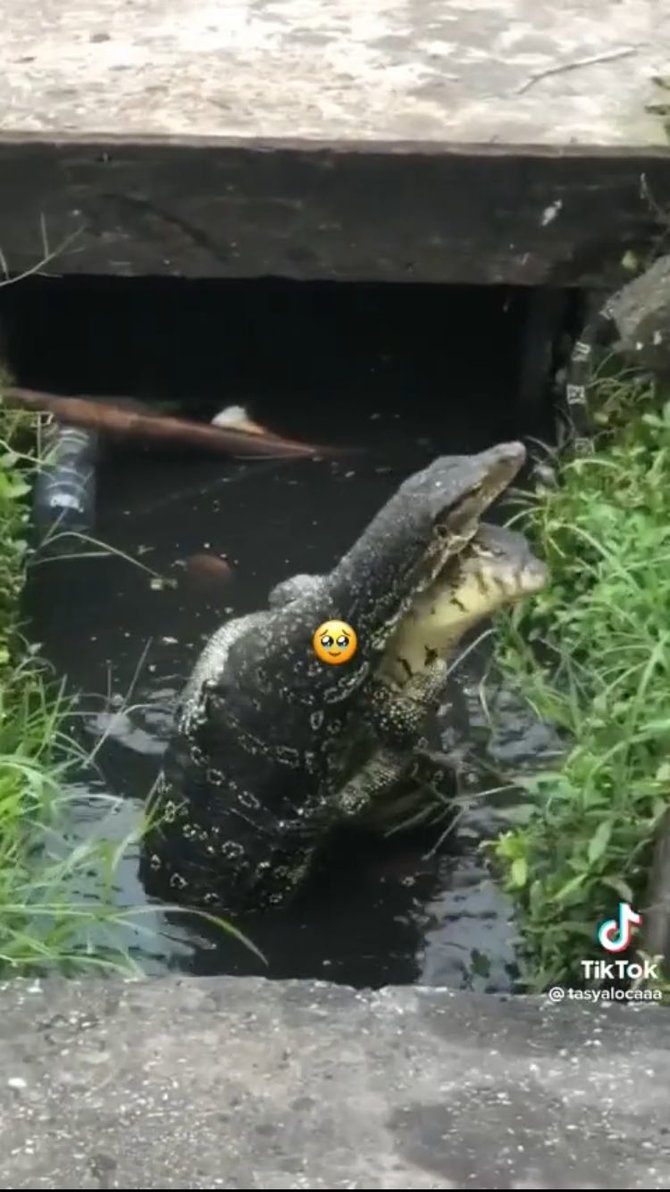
pixel 487 142
pixel 460 71
pixel 243 1083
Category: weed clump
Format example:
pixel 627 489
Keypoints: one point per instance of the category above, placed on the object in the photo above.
pixel 591 655
pixel 44 922
pixel 58 903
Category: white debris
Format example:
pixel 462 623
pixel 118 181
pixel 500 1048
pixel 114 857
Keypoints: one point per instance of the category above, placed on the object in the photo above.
pixel 549 214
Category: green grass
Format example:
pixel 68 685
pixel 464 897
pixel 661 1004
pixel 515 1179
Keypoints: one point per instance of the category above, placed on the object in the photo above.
pixel 591 655
pixel 46 921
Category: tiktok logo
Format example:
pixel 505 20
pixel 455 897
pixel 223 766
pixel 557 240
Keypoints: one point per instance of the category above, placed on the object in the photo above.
pixel 614 935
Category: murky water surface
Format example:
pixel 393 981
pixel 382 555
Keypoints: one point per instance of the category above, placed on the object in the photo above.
pixel 401 910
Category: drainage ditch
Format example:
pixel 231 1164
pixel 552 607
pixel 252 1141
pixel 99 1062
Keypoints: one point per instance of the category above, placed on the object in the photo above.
pixel 405 372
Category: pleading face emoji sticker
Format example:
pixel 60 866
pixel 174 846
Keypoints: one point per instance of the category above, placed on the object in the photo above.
pixel 335 642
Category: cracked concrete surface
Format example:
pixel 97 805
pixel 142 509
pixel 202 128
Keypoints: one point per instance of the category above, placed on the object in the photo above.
pixel 246 1083
pixel 419 70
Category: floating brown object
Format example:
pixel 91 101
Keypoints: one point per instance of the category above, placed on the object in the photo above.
pixel 207 573
pixel 119 421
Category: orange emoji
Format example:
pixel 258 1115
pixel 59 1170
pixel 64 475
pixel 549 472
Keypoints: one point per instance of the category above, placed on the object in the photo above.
pixel 335 642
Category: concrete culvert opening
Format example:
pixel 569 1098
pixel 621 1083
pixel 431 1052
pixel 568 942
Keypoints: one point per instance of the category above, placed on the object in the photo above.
pixel 405 372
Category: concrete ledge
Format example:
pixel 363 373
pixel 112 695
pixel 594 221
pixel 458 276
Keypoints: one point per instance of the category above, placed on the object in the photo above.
pixel 505 71
pixel 243 1083
pixel 494 142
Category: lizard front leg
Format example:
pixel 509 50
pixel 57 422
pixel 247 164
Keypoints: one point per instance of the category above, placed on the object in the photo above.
pixel 392 787
pixel 370 784
pixel 397 719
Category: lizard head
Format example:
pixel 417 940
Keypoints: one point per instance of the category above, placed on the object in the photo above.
pixel 429 520
pixel 496 569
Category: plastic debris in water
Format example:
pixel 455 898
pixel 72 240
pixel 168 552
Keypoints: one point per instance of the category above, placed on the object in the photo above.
pixel 65 488
pixel 237 417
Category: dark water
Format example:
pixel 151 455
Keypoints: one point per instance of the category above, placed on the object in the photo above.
pixel 399 910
